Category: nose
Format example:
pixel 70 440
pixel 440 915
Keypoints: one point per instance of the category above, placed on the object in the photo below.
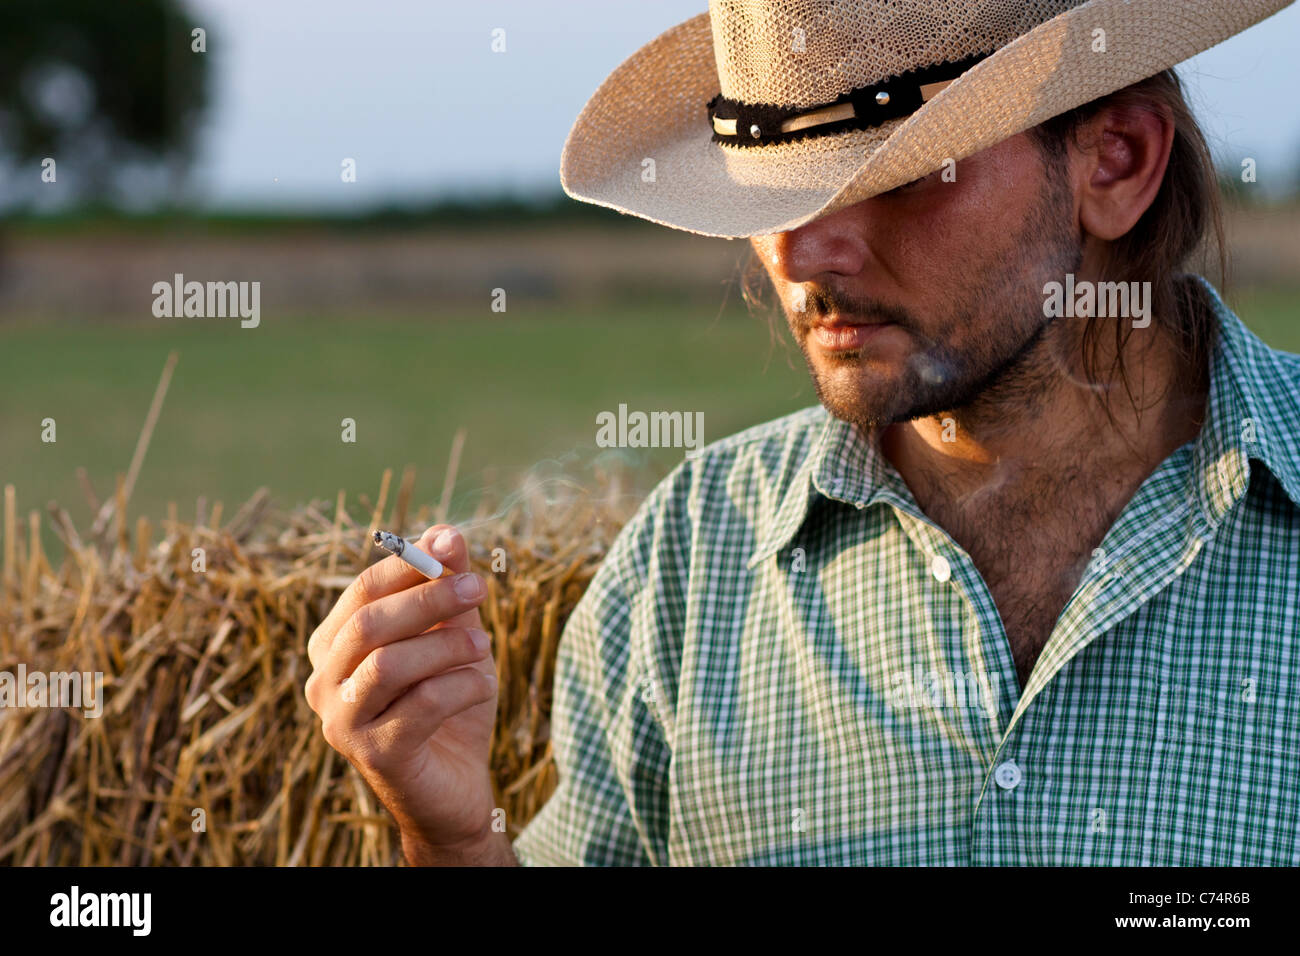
pixel 835 244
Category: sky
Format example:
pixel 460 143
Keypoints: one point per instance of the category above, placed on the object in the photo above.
pixel 412 91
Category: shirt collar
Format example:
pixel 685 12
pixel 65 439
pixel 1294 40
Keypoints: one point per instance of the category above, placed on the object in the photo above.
pixel 1252 413
pixel 841 465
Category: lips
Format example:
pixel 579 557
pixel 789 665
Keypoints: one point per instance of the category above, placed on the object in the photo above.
pixel 837 334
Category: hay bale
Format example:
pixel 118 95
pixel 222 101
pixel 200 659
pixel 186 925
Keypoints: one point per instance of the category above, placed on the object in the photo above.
pixel 206 752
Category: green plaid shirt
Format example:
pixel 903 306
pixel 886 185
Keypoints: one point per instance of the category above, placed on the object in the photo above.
pixel 783 661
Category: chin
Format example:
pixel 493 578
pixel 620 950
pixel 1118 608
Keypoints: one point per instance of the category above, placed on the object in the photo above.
pixel 859 402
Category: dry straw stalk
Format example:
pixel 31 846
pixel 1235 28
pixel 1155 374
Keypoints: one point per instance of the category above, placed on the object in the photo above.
pixel 206 752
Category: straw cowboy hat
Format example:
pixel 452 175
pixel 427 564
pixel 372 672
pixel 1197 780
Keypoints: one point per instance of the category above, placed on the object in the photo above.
pixel 762 115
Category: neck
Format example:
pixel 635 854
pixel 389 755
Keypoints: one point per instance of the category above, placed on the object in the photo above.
pixel 1044 419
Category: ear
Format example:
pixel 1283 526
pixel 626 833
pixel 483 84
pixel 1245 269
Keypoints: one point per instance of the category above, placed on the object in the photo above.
pixel 1124 165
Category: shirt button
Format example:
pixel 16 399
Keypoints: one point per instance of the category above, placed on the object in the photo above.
pixel 940 568
pixel 1007 775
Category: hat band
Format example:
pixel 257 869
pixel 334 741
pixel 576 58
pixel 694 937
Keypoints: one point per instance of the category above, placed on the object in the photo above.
pixel 749 124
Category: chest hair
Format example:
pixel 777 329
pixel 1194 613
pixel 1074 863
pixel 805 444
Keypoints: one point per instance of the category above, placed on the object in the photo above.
pixel 1031 545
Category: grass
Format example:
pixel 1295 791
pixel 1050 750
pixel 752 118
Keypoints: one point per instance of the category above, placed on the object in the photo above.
pixel 264 406
pixel 1272 312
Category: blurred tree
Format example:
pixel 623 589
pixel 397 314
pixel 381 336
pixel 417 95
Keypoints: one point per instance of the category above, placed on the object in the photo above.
pixel 109 90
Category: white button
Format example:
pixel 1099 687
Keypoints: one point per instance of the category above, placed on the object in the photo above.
pixel 1007 775
pixel 940 568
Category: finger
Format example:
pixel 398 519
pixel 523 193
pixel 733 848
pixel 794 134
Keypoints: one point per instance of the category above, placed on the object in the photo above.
pixel 389 670
pixel 415 716
pixel 382 578
pixel 399 616
pixel 451 548
pixel 448 545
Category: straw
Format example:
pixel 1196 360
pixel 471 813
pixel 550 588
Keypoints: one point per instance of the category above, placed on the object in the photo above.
pixel 204 714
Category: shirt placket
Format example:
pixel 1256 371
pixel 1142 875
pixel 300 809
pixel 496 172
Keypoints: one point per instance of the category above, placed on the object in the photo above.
pixel 1144 558
pixel 1153 553
pixel 983 646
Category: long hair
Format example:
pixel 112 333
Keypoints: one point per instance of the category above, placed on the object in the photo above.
pixel 1186 217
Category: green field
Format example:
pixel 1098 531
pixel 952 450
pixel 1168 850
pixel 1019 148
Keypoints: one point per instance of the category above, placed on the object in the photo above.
pixel 263 406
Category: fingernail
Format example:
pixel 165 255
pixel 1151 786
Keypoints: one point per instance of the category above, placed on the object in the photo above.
pixel 467 586
pixel 479 638
pixel 443 544
pixel 492 680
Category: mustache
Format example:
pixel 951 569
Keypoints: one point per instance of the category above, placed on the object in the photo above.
pixel 821 302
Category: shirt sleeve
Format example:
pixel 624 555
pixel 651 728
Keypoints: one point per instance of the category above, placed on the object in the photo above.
pixel 610 806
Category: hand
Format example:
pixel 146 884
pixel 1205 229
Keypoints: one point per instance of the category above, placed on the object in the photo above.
pixel 405 686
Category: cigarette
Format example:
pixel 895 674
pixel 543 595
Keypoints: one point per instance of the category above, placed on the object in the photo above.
pixel 423 562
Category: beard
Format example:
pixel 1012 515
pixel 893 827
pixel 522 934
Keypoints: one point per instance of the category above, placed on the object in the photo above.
pixel 991 345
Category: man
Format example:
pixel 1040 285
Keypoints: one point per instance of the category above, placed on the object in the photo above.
pixel 1022 590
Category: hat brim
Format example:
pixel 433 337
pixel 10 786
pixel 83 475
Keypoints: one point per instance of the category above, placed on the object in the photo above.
pixel 643 145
